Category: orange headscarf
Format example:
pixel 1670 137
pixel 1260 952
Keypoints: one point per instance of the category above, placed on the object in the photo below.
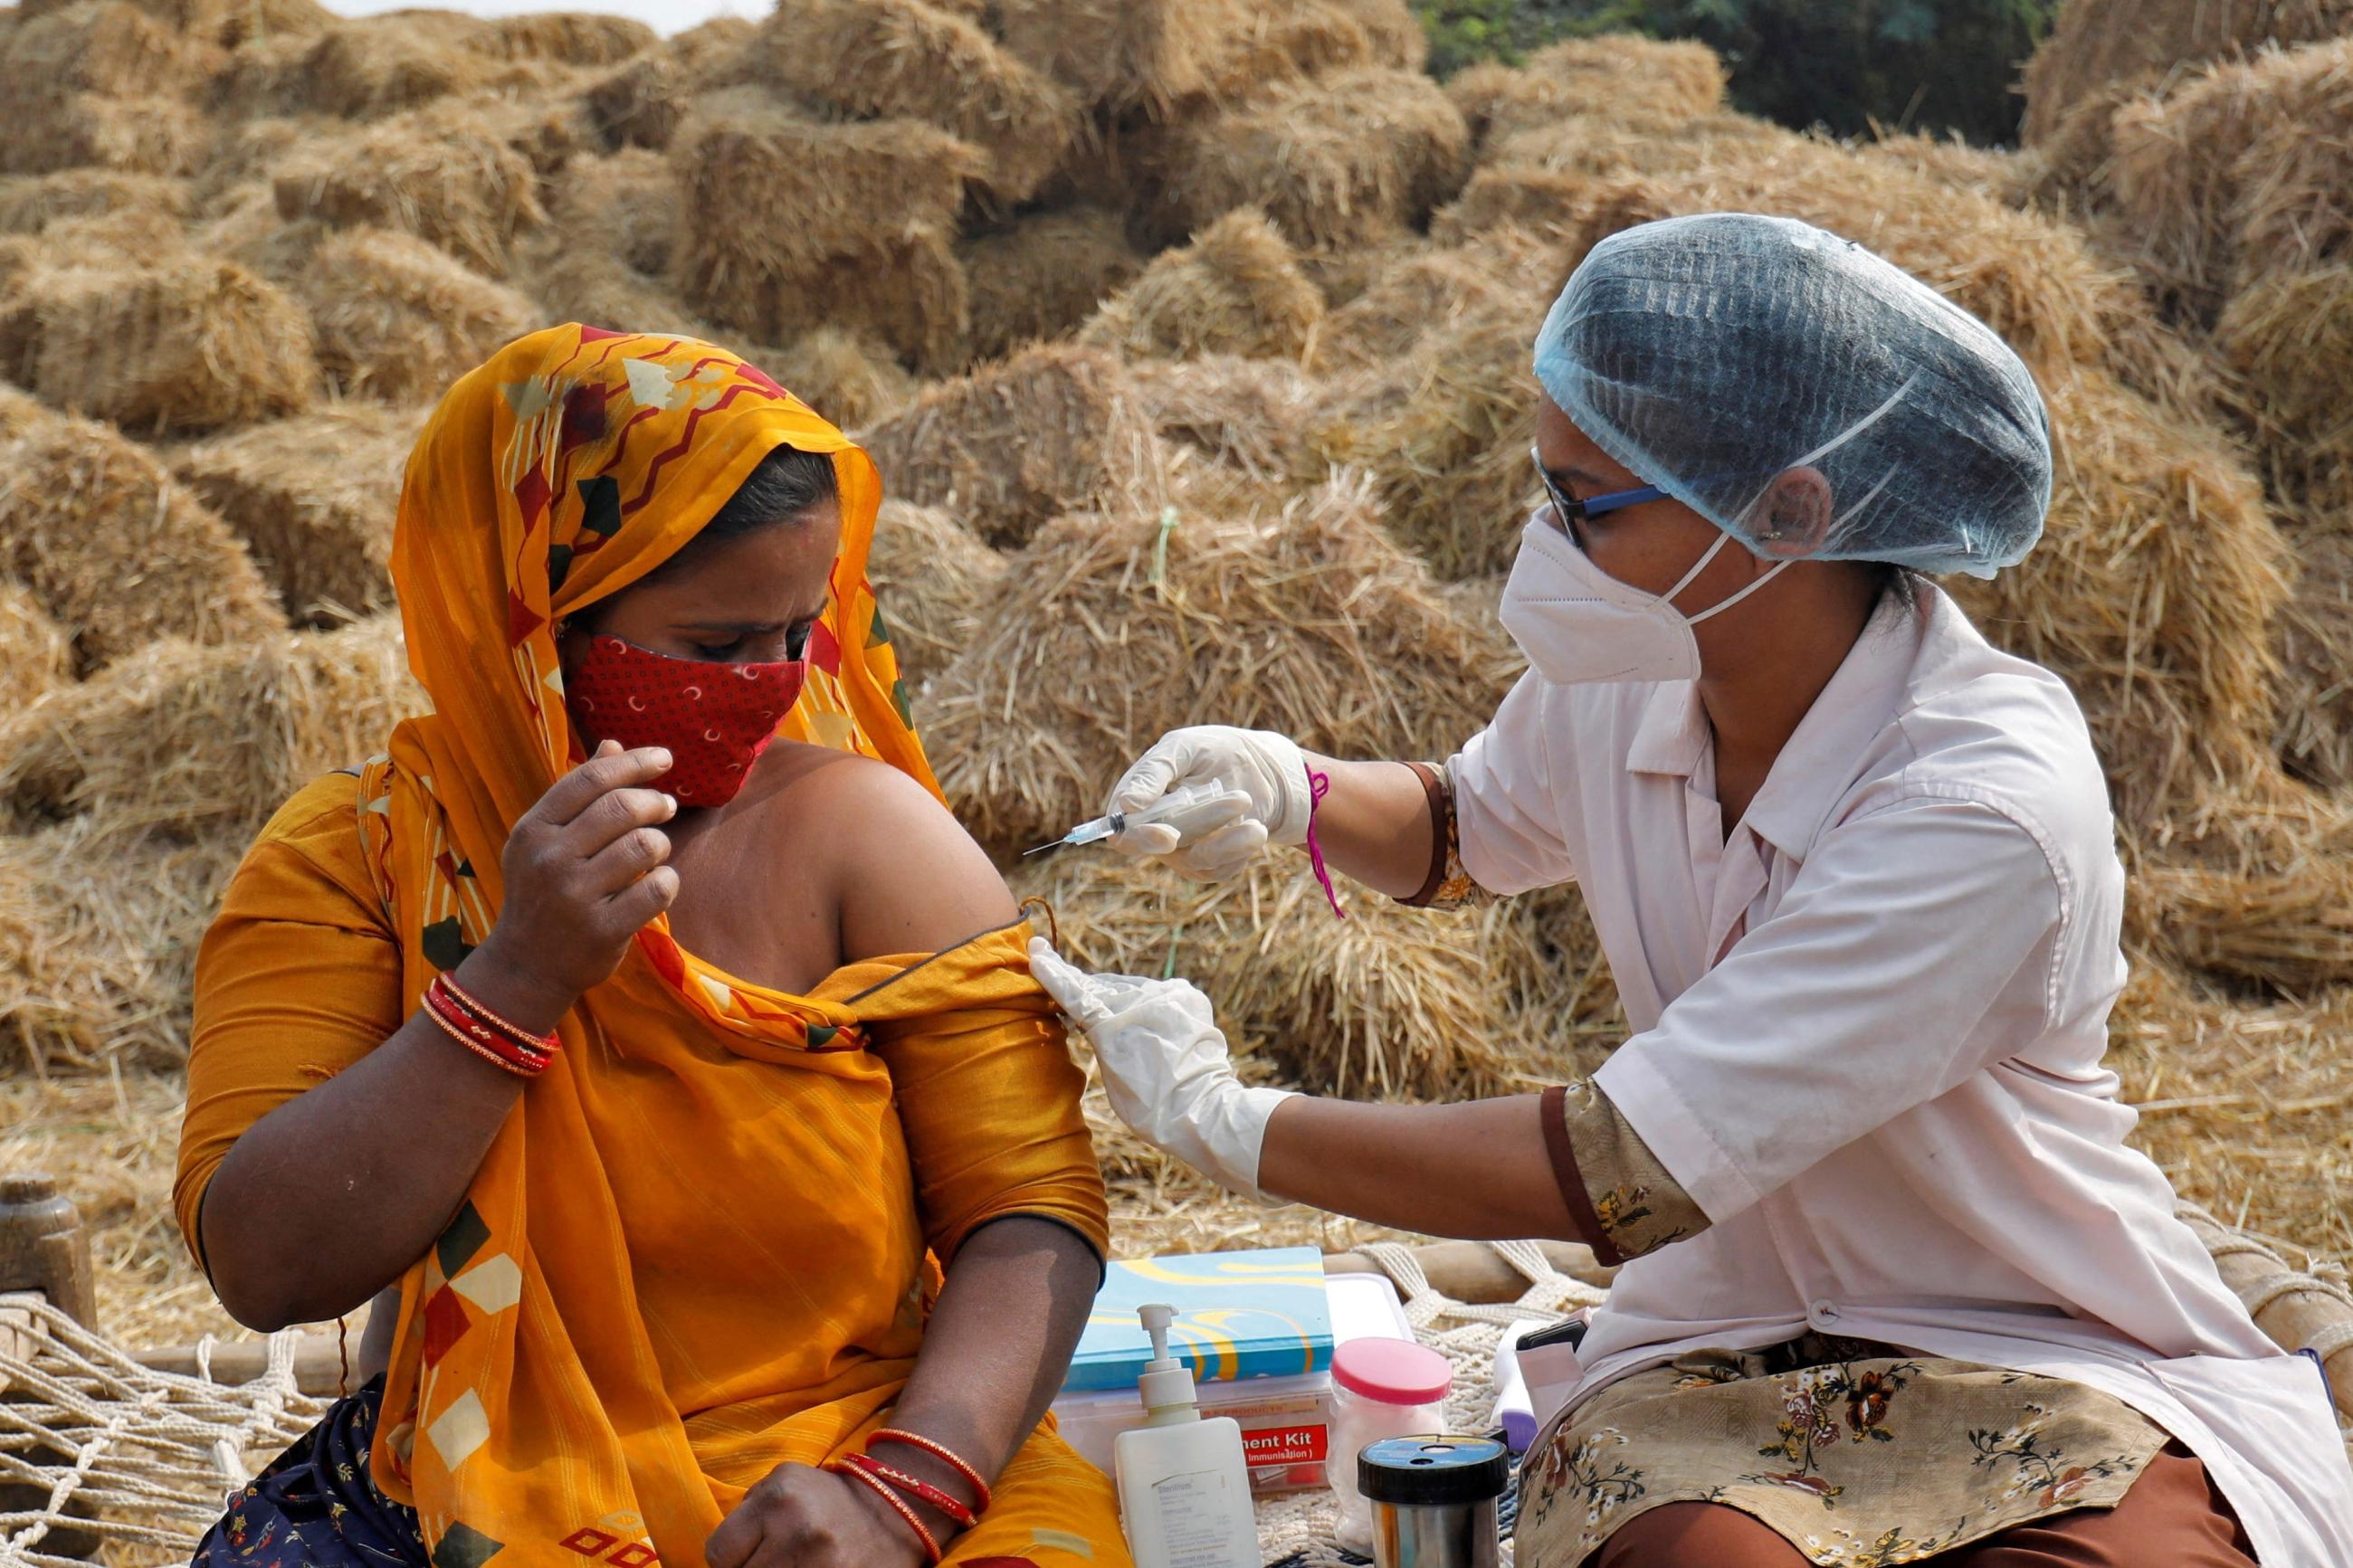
pixel 527 1393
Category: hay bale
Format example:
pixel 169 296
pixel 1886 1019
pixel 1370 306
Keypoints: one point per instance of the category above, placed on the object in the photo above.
pixel 1398 41
pixel 1390 1003
pixel 641 103
pixel 34 657
pixel 134 135
pixel 1121 54
pixel 848 376
pixel 191 344
pixel 884 59
pixel 936 580
pixel 1042 277
pixel 1282 43
pixel 29 205
pixel 1249 414
pixel 1011 446
pixel 105 47
pixel 1564 83
pixel 95 524
pixel 369 69
pixel 2153 594
pixel 1236 289
pixel 1309 621
pixel 2288 337
pixel 2092 47
pixel 567 37
pixel 857 217
pixel 443 174
pixel 398 319
pixel 162 770
pixel 201 740
pixel 312 497
pixel 1560 206
pixel 1341 161
pixel 2316 650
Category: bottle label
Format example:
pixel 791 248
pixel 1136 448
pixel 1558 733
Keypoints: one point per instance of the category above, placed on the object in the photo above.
pixel 1198 1521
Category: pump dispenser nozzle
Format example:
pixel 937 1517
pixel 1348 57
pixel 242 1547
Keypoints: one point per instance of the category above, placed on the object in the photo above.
pixel 1166 1385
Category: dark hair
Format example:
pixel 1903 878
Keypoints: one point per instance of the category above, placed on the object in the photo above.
pixel 1889 580
pixel 787 483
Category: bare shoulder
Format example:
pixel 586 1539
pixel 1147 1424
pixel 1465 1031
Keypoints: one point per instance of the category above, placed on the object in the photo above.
pixel 911 879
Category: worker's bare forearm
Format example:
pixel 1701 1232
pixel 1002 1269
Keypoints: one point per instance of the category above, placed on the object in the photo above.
pixel 1374 826
pixel 1478 1171
pixel 330 1197
pixel 1015 1301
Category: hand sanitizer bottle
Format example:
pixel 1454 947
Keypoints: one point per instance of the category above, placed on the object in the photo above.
pixel 1183 1489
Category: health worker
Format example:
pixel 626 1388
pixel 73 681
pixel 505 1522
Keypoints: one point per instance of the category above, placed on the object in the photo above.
pixel 1895 1288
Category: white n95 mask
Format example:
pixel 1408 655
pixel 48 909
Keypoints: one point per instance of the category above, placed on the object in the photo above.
pixel 1577 623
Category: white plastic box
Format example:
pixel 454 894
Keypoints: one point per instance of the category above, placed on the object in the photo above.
pixel 1285 1421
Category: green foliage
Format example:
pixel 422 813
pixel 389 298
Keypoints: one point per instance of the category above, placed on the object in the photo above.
pixel 1929 65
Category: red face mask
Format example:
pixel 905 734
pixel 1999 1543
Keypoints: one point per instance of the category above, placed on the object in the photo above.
pixel 714 719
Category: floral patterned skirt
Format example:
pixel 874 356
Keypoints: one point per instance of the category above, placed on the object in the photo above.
pixel 315 1507
pixel 1857 1453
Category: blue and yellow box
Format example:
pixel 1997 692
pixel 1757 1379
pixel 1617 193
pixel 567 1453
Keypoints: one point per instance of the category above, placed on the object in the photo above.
pixel 1239 1315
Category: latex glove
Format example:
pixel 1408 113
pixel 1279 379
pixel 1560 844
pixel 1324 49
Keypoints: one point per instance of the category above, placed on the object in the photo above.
pixel 1266 767
pixel 1165 1066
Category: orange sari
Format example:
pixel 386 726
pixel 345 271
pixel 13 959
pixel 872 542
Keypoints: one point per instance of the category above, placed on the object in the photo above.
pixel 704 1242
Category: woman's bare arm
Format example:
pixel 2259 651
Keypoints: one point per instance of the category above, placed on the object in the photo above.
pixel 330 1197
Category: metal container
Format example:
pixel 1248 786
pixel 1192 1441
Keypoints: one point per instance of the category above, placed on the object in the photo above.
pixel 1434 1501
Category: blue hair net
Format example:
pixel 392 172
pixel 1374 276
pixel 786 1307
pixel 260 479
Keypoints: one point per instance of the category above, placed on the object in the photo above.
pixel 1708 354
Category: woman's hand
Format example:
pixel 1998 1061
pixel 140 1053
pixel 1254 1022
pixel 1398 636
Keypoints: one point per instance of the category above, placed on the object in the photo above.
pixel 583 869
pixel 804 1518
pixel 1167 1067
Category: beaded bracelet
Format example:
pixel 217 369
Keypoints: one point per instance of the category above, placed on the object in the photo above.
pixel 478 1035
pixel 941 1452
pixel 898 1505
pixel 546 1045
pixel 914 1487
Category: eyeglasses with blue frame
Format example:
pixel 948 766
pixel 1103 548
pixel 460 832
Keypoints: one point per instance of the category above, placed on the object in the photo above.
pixel 1571 510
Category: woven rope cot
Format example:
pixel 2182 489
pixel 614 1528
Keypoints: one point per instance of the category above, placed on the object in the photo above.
pixel 108 1454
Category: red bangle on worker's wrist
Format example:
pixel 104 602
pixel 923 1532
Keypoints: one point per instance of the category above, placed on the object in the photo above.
pixel 915 1487
pixel 485 1033
pixel 941 1452
pixel 898 1505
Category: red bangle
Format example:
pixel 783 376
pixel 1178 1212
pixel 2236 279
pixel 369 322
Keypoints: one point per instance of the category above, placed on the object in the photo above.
pixel 939 1451
pixel 488 1055
pixel 453 1016
pixel 546 1045
pixel 898 1506
pixel 914 1487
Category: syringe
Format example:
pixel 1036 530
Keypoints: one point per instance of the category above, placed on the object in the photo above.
pixel 1188 810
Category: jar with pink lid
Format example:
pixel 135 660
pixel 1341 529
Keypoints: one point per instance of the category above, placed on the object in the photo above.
pixel 1380 1388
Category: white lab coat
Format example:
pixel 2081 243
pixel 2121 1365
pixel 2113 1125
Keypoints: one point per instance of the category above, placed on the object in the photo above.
pixel 1867 1041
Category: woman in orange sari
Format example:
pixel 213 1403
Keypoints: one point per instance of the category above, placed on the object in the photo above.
pixel 728 1196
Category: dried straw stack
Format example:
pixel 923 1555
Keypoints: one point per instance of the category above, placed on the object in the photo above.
pixel 313 498
pixel 1236 289
pixel 936 580
pixel 1054 429
pixel 884 59
pixel 603 256
pixel 99 83
pixel 185 344
pixel 1337 161
pixel 1654 80
pixel 443 174
pixel 2288 339
pixel 1119 55
pixel 399 319
pixel 35 657
pixel 849 224
pixel 1388 1004
pixel 160 771
pixel 1308 621
pixel 116 551
pixel 845 375
pixel 1043 274
pixel 1250 414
